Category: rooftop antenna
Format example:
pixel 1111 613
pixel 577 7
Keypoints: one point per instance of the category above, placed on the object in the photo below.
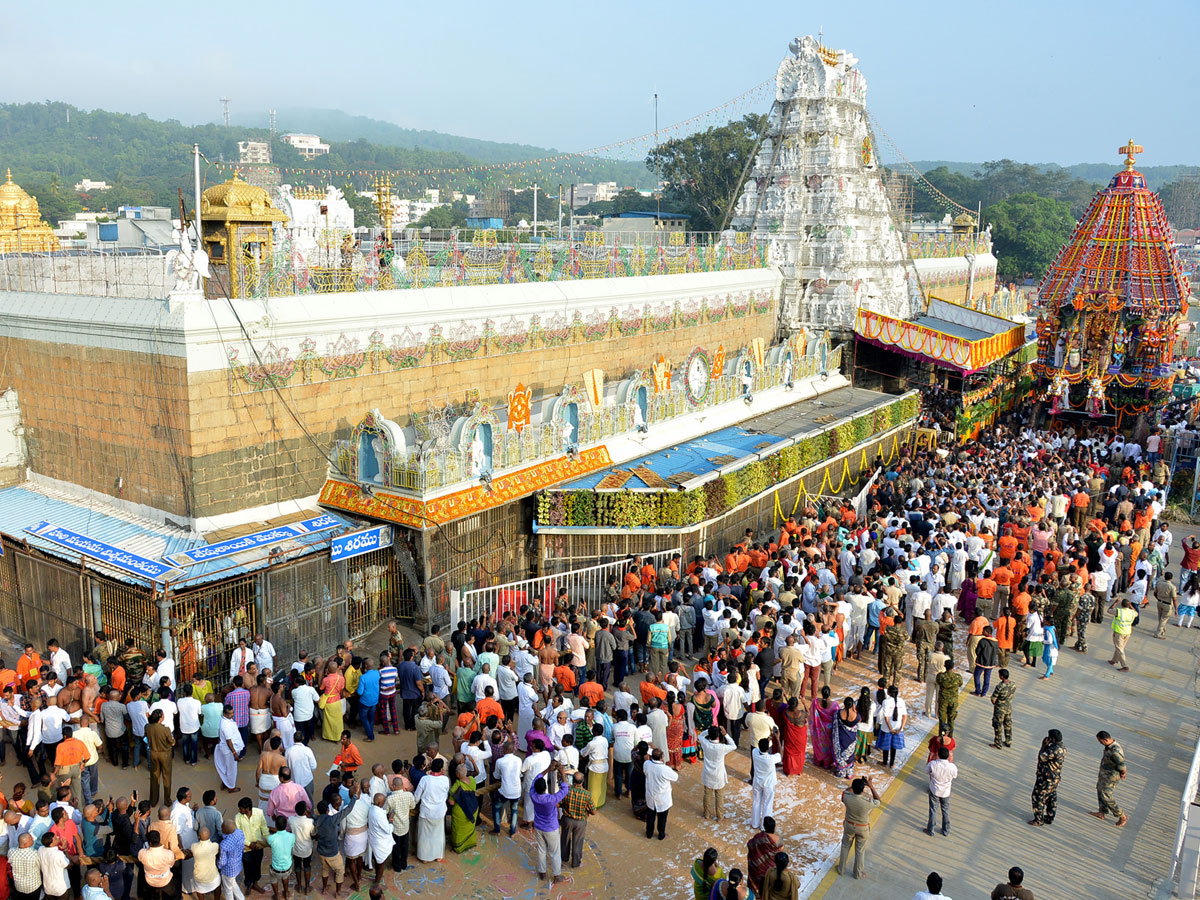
pixel 271 117
pixel 225 107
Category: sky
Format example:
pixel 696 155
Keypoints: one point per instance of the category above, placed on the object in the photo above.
pixel 1050 81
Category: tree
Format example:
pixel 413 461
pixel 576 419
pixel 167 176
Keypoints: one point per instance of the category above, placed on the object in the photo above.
pixel 703 170
pixel 445 217
pixel 1027 232
pixel 365 213
pixel 625 201
pixel 1181 201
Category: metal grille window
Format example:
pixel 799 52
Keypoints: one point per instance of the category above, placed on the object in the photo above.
pixel 207 624
pixel 10 592
pixel 53 604
pixel 128 611
pixel 305 608
pixel 372 583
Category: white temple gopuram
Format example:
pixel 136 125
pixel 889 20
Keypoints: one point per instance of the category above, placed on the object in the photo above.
pixel 816 192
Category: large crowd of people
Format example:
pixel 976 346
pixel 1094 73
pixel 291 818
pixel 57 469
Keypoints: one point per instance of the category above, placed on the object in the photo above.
pixel 970 563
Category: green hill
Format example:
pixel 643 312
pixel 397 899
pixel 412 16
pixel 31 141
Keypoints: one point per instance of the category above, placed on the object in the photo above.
pixel 333 125
pixel 1096 173
pixel 51 146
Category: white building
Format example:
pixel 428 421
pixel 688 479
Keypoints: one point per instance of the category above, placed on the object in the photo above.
pixel 87 185
pixel 317 222
pixel 816 192
pixel 309 145
pixel 256 152
pixel 594 193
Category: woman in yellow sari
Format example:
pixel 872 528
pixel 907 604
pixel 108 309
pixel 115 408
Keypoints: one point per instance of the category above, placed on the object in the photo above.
pixel 330 703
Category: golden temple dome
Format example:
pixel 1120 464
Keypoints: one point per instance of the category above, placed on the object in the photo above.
pixel 21 225
pixel 238 201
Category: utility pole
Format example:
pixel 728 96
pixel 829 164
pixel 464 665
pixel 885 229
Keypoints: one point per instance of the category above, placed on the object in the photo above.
pixel 657 169
pixel 225 108
pixel 535 193
pixel 560 210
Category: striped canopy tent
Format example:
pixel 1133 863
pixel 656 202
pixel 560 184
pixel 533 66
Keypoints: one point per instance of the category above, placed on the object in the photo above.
pixel 1111 303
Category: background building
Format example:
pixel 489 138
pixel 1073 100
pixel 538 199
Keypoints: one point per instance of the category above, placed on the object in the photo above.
pixel 309 145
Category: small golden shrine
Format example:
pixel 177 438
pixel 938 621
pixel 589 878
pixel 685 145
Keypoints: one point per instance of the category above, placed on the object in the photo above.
pixel 21 226
pixel 238 220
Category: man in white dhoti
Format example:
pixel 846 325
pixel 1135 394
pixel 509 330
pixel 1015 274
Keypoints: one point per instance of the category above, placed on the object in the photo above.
pixel 537 762
pixel 380 837
pixel 431 795
pixel 267 772
pixel 229 750
pixel 763 760
pixel 354 844
pixel 281 715
pixel 527 697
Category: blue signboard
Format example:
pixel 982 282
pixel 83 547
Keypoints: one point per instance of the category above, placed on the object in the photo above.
pixel 253 541
pixel 356 543
pixel 149 569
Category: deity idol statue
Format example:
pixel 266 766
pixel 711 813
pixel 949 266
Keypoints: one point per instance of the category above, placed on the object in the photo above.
pixel 1059 394
pixel 1120 345
pixel 1095 397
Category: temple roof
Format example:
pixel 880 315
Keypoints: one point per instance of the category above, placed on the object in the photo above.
pixel 1121 246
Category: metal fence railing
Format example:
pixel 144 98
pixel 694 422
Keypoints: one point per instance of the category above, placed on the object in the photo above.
pixel 584 586
pixel 1185 862
pixel 129 274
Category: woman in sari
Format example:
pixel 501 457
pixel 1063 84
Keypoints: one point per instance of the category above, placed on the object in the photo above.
pixel 675 712
pixel 823 713
pixel 778 883
pixel 464 811
pixel 968 596
pixel 703 708
pixel 330 703
pixel 845 739
pixel 794 731
pixel 731 888
pixel 867 712
pixel 705 874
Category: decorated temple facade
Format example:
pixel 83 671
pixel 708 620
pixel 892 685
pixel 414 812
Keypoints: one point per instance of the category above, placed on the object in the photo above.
pixel 1110 306
pixel 816 192
pixel 21 227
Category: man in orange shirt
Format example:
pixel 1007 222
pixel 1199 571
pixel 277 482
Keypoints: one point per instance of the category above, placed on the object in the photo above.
pixel 8 677
pixel 591 690
pixel 349 759
pixel 731 560
pixel 974 635
pixel 985 587
pixel 1003 576
pixel 1079 507
pixel 487 706
pixel 28 664
pixel 68 763
pixel 650 688
pixel 1019 568
pixel 1006 547
pixel 1005 628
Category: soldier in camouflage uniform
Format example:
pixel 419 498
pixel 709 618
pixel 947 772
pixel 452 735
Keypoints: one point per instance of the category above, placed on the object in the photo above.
pixel 1112 771
pixel 949 685
pixel 1049 772
pixel 1066 600
pixel 924 636
pixel 1002 698
pixel 1087 605
pixel 891 656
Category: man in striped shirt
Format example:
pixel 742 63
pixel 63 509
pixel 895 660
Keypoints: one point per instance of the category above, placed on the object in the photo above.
pixel 387 695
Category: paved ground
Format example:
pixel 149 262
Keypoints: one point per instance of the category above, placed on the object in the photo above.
pixel 1152 711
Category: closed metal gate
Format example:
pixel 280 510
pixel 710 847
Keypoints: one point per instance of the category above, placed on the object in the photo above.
pixel 305 609
pixel 53 605
pixel 373 582
pixel 207 623
pixel 128 611
pixel 10 593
